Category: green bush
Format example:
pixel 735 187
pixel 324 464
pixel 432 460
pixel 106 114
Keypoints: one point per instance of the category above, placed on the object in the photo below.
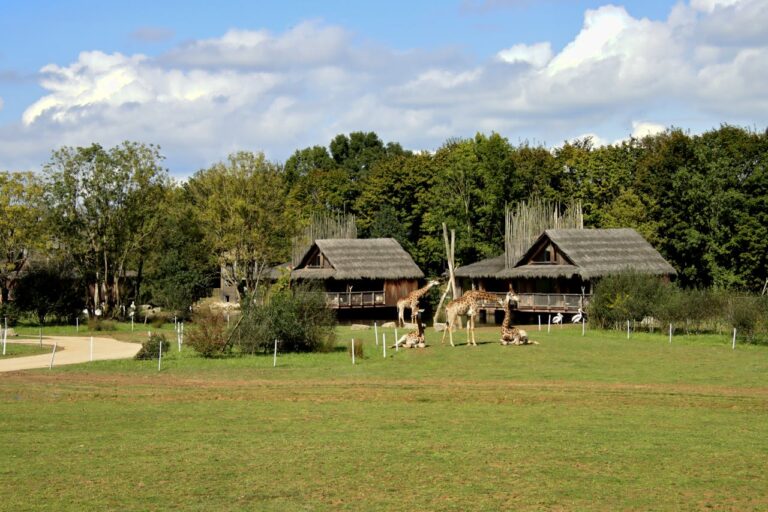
pixel 627 296
pixel 298 317
pixel 10 311
pixel 209 336
pixel 50 289
pixel 749 316
pixel 150 349
pixel 97 324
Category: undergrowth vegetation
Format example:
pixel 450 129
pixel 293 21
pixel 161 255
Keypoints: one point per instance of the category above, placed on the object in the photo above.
pixel 655 303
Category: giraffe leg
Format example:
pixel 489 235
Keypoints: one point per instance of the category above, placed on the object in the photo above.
pixel 448 327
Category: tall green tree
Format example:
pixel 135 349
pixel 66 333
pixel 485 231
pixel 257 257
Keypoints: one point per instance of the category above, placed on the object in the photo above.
pixel 103 211
pixel 181 268
pixel 21 229
pixel 241 207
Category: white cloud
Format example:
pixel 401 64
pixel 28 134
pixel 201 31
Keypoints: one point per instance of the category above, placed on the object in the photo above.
pixel 537 55
pixel 711 5
pixel 642 129
pixel 280 92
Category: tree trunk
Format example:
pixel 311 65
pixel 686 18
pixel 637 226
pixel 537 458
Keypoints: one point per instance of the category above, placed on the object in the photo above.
pixel 139 272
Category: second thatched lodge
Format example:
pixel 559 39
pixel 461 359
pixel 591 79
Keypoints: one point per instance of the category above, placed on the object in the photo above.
pixel 558 271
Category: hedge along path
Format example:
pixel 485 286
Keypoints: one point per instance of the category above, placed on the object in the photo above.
pixel 71 350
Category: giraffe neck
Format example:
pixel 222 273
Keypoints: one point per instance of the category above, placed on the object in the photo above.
pixel 507 323
pixel 481 295
pixel 421 291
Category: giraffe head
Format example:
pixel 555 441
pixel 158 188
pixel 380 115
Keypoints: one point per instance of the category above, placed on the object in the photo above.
pixel 433 282
pixel 511 297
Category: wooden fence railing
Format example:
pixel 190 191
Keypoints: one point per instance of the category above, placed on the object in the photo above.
pixel 545 302
pixel 339 300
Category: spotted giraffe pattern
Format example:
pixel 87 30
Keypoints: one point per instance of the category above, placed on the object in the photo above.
pixel 412 301
pixel 467 305
pixel 414 338
pixel 511 335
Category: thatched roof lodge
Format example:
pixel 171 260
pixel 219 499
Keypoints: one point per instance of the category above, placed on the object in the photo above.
pixel 560 267
pixel 358 272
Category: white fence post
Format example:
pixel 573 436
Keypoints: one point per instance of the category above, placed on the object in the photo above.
pixel 733 345
pixel 549 322
pixel 627 329
pixel 159 354
pixel 53 354
pixel 274 357
pixel 539 322
pixel 376 332
pixel 583 325
pixel 384 343
pixel 353 351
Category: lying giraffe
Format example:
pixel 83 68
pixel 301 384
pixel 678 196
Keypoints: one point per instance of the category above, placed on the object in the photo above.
pixel 412 301
pixel 414 338
pixel 467 304
pixel 511 335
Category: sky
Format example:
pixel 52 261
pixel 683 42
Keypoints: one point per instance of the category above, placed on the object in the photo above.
pixel 203 79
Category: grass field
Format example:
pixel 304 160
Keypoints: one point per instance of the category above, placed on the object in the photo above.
pixel 20 350
pixel 575 423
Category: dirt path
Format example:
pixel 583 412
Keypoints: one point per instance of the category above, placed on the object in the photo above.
pixel 70 350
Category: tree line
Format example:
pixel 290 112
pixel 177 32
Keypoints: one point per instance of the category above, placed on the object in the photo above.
pixel 113 217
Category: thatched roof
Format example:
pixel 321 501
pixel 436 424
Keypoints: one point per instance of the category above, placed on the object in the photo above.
pixel 590 253
pixel 359 258
pixel 482 269
pixel 593 253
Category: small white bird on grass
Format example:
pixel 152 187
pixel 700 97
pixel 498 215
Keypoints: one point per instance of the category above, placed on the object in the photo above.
pixel 558 318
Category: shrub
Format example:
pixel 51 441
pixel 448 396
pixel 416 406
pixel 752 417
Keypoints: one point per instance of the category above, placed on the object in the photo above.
pixel 627 296
pixel 8 310
pixel 97 324
pixel 748 316
pixel 209 336
pixel 150 349
pixel 358 349
pixel 50 289
pixel 297 316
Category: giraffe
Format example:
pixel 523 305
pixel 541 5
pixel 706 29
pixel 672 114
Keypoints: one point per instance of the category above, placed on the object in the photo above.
pixel 467 305
pixel 414 338
pixel 511 335
pixel 412 301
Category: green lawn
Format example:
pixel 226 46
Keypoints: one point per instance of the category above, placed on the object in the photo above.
pixel 575 423
pixel 20 350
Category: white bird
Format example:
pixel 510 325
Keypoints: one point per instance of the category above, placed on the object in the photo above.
pixel 578 316
pixel 558 318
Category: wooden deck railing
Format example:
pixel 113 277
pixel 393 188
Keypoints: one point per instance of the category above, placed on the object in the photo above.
pixel 342 300
pixel 545 302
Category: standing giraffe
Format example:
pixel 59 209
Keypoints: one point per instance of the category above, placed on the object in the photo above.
pixel 467 305
pixel 412 301
pixel 511 335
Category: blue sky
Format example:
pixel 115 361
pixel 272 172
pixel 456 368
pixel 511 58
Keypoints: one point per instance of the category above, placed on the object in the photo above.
pixel 203 80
